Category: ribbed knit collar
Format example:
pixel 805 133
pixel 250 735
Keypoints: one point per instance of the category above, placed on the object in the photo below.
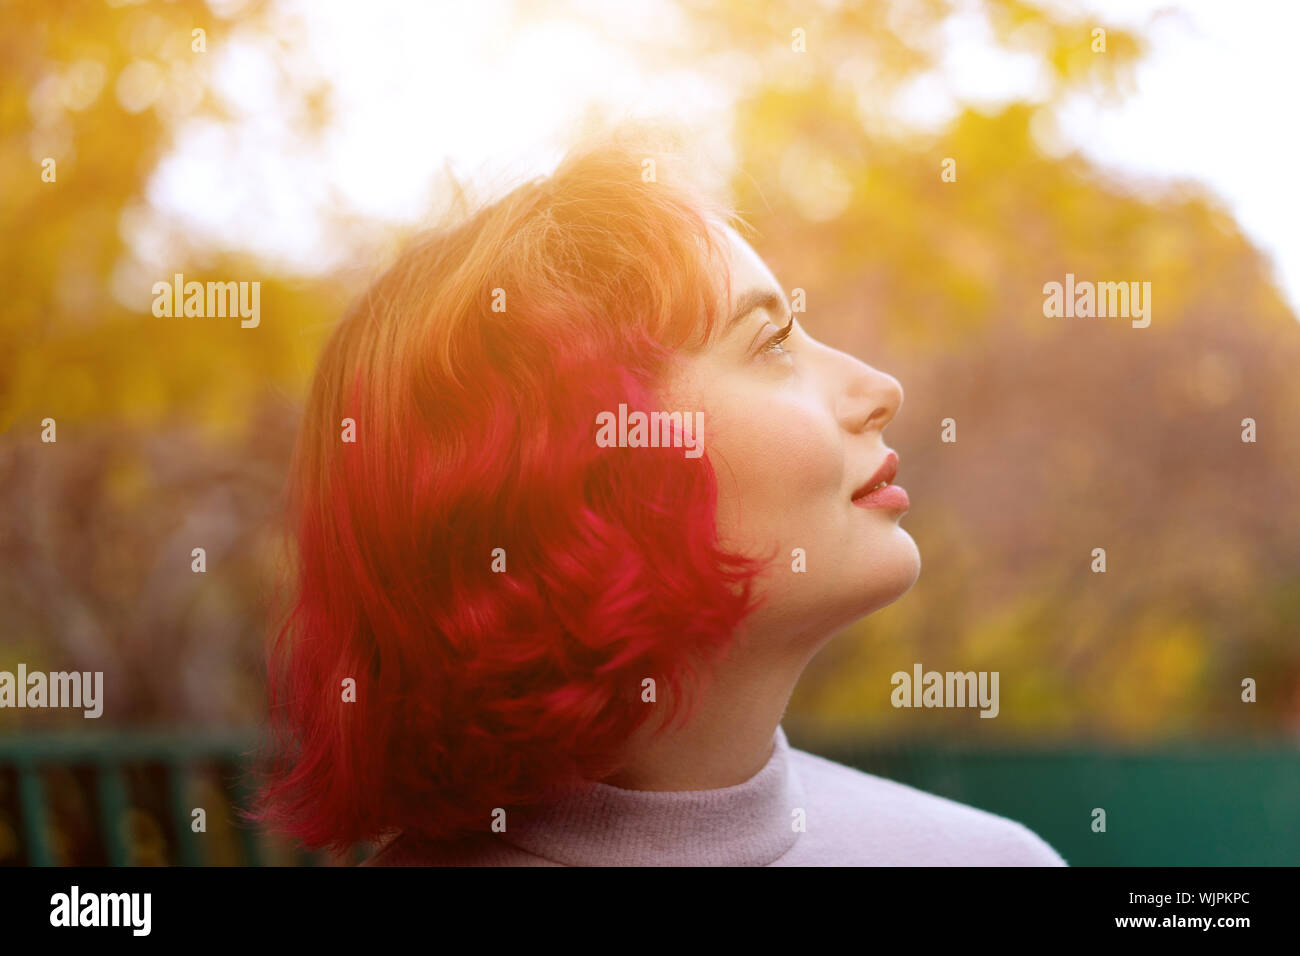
pixel 750 824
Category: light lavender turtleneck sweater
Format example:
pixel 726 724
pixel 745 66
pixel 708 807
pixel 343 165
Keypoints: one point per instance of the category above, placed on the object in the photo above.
pixel 799 810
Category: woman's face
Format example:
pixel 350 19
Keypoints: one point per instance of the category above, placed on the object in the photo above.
pixel 794 431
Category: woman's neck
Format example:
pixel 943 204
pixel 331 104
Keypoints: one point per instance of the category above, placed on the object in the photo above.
pixel 729 737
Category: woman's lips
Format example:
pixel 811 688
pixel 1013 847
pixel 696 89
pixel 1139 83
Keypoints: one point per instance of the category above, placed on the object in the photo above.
pixel 890 497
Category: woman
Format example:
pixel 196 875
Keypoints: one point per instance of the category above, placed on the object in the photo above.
pixel 576 500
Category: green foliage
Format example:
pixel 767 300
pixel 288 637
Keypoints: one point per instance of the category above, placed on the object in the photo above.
pixel 1072 434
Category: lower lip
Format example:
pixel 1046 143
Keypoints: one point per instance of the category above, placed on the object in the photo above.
pixel 890 498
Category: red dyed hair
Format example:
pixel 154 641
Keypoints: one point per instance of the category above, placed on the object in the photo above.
pixel 475 430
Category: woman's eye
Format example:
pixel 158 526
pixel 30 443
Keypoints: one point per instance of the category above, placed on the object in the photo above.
pixel 773 345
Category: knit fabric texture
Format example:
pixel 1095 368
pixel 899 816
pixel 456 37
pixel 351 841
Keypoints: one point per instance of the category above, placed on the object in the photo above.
pixel 799 810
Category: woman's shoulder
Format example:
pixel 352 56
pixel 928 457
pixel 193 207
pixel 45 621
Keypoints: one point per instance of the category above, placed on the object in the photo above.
pixel 410 849
pixel 395 851
pixel 877 821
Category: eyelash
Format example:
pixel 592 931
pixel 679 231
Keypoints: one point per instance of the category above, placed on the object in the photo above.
pixel 773 345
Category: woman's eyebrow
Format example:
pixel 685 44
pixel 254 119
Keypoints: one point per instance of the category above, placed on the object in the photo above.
pixel 755 299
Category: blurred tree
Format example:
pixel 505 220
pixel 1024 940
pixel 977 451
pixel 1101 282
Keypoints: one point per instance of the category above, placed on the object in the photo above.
pixel 171 435
pixel 1072 434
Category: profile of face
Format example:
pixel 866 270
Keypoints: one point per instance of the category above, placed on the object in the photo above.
pixel 794 432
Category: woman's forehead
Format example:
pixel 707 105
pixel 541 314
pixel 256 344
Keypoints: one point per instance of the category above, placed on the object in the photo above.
pixel 748 270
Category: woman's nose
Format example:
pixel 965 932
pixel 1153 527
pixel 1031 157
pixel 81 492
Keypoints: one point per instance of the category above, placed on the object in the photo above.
pixel 869 400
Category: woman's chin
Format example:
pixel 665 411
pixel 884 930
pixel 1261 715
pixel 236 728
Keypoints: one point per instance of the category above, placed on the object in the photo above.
pixel 893 577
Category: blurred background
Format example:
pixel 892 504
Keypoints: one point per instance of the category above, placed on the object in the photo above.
pixel 298 144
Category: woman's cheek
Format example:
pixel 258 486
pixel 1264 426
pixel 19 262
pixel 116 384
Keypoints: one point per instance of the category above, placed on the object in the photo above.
pixel 777 463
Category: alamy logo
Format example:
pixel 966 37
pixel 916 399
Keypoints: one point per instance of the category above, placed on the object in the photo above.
pixel 1103 300
pixel 57 689
pixel 215 300
pixel 951 689
pixel 102 909
pixel 653 430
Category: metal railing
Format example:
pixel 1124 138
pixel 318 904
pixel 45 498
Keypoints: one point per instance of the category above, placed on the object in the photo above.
pixel 132 798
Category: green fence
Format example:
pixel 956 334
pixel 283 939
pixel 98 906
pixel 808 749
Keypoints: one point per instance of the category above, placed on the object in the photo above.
pixel 130 799
pixel 1221 804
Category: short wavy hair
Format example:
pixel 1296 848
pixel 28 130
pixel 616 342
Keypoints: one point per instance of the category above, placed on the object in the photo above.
pixel 474 430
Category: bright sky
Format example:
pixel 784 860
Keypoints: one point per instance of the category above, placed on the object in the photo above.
pixel 471 85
